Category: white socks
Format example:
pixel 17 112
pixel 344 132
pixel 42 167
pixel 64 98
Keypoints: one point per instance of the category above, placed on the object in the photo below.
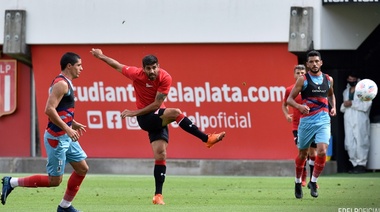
pixel 298 180
pixel 14 182
pixel 65 204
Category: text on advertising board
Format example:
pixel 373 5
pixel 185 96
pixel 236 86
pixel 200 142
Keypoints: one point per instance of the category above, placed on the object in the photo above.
pixel 8 86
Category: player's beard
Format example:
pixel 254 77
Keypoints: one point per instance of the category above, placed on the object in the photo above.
pixel 316 71
pixel 152 77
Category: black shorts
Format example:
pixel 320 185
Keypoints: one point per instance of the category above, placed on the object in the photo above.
pixel 152 123
pixel 295 134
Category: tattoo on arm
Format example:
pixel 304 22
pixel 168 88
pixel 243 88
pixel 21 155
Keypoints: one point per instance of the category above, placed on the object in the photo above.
pixel 160 97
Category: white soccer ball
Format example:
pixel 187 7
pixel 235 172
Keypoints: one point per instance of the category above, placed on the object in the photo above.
pixel 366 90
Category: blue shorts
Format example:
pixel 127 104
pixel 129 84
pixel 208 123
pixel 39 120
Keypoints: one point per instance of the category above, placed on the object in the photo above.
pixel 61 150
pixel 309 132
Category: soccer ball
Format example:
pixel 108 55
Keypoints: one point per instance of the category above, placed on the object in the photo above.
pixel 366 90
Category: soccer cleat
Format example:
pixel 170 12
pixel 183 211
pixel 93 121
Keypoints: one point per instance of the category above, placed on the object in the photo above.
pixel 158 199
pixel 214 138
pixel 69 209
pixel 298 190
pixel 308 186
pixel 313 189
pixel 6 190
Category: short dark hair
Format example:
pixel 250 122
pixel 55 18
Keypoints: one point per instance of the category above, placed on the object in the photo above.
pixel 313 53
pixel 354 74
pixel 299 67
pixel 69 57
pixel 149 60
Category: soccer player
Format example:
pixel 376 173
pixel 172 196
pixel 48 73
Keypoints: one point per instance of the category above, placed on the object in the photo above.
pixel 299 70
pixel 317 92
pixel 60 139
pixel 152 84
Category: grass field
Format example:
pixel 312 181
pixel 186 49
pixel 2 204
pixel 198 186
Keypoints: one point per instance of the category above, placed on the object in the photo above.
pixel 339 192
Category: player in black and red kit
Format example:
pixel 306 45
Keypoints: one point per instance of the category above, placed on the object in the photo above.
pixel 152 85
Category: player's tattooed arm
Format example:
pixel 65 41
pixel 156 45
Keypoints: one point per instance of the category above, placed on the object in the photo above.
pixel 160 97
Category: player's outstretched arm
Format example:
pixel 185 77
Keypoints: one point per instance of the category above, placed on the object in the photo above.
pixel 110 61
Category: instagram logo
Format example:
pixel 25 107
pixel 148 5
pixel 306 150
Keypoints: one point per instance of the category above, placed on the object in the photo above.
pixel 113 120
pixel 132 123
pixel 94 119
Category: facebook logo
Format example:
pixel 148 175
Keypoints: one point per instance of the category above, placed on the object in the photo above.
pixel 94 119
pixel 113 120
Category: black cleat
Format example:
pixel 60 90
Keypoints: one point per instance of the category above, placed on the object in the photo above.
pixel 313 189
pixel 6 190
pixel 69 209
pixel 298 190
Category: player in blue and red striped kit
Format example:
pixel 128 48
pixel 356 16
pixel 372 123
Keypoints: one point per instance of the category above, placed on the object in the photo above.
pixel 60 139
pixel 317 92
pixel 299 70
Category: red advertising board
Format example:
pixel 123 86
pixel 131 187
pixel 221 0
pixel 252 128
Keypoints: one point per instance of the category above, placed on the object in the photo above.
pixel 8 86
pixel 237 88
pixel 15 127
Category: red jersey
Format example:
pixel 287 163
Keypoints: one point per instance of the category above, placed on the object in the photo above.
pixel 146 89
pixel 296 113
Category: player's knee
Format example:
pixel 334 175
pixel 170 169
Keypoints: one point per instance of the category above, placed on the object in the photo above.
pixel 82 170
pixel 172 113
pixel 176 112
pixel 161 155
pixel 302 154
pixel 55 181
pixel 321 153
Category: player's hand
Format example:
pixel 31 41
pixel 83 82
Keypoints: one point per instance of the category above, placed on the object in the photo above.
pixel 289 117
pixel 127 113
pixel 332 112
pixel 73 134
pixel 304 109
pixel 79 127
pixel 96 52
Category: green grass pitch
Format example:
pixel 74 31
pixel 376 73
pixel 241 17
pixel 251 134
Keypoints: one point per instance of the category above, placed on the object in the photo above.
pixel 339 192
